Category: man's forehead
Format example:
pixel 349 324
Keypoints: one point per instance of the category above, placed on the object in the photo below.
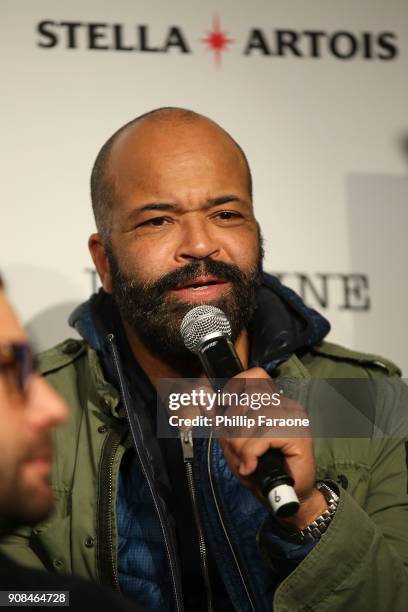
pixel 10 328
pixel 162 141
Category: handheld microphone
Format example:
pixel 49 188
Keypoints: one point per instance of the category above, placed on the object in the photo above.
pixel 206 332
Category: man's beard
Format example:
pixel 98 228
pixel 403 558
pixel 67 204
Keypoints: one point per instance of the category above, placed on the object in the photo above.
pixel 25 506
pixel 22 503
pixel 156 317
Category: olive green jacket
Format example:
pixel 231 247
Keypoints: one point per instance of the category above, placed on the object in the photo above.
pixel 360 564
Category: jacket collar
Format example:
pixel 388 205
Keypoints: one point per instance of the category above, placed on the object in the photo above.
pixel 283 325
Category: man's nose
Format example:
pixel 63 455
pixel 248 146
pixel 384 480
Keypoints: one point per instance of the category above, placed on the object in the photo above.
pixel 197 241
pixel 45 408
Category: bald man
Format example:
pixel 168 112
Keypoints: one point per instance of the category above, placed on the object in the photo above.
pixel 179 525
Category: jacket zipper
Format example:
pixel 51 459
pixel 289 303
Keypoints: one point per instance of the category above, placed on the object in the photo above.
pixel 106 557
pixel 159 511
pixel 224 527
pixel 188 455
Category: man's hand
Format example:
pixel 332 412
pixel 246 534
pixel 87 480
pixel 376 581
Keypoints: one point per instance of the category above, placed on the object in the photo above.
pixel 242 455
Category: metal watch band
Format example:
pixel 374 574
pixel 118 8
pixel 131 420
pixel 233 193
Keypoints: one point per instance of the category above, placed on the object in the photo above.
pixel 317 528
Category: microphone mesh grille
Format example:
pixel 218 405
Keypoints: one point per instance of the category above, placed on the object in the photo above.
pixel 201 321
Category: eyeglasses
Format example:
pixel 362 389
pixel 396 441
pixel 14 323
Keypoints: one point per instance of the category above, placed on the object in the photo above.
pixel 17 364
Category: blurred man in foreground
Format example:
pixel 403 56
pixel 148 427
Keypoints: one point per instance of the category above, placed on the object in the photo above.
pixel 29 412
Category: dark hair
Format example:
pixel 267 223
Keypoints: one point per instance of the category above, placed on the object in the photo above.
pixel 102 188
pixel 1 283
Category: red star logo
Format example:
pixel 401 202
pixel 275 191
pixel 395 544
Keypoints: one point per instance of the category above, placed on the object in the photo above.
pixel 217 41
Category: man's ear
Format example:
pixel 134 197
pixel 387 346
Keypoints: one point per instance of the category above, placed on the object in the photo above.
pixel 100 259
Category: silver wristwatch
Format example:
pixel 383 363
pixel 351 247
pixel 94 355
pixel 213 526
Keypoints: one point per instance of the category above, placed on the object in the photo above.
pixel 317 528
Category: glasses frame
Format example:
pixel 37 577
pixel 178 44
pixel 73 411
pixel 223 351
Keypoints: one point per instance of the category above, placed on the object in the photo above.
pixel 20 356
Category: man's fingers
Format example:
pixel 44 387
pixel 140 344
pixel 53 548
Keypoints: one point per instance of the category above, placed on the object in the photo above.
pixel 245 452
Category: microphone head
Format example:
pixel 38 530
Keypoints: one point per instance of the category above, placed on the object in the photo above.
pixel 201 321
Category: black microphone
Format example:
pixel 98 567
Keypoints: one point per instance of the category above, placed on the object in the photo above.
pixel 206 332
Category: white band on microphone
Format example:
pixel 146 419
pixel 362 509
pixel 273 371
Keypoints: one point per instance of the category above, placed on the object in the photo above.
pixel 281 495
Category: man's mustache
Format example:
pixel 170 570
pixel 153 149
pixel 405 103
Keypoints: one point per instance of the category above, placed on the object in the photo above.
pixel 189 272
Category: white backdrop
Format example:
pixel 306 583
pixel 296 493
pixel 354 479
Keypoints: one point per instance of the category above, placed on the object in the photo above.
pixel 320 109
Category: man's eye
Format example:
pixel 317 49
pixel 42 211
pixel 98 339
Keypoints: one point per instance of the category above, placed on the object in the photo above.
pixel 227 215
pixel 155 222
